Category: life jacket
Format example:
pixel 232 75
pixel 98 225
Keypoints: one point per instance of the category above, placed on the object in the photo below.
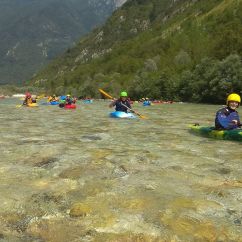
pixel 224 117
pixel 69 100
pixel 27 101
pixel 120 105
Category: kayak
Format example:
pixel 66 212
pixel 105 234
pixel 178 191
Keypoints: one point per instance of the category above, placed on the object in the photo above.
pixel 118 114
pixel 88 101
pixel 70 106
pixel 32 105
pixel 234 134
pixel 54 103
pixel 50 103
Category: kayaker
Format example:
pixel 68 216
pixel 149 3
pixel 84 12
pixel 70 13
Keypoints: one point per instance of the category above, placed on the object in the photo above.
pixel 146 102
pixel 228 118
pixel 53 98
pixel 121 103
pixel 28 99
pixel 34 99
pixel 68 99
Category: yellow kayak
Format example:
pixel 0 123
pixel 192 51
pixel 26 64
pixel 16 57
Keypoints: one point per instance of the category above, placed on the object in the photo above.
pixel 32 105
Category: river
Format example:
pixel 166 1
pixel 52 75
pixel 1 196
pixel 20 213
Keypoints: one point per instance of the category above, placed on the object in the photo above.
pixel 78 175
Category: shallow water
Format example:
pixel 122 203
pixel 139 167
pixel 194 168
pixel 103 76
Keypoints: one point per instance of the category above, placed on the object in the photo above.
pixel 78 175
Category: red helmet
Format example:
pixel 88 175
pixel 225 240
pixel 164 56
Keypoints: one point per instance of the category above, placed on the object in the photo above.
pixel 27 94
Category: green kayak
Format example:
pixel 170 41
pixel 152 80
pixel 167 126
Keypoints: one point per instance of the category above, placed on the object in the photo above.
pixel 235 134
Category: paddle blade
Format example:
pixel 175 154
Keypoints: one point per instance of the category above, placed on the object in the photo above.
pixel 142 116
pixel 18 106
pixel 105 94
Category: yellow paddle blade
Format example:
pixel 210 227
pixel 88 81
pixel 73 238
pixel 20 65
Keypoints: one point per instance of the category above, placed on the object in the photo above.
pixel 141 116
pixel 19 106
pixel 105 94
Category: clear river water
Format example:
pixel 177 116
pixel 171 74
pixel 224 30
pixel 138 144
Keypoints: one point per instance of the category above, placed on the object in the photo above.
pixel 78 175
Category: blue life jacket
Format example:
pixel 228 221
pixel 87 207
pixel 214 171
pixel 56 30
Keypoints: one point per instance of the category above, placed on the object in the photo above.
pixel 224 119
pixel 146 103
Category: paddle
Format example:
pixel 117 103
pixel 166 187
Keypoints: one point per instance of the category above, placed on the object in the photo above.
pixel 131 110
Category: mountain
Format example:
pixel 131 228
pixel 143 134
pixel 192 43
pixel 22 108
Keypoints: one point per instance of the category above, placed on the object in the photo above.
pixel 33 32
pixel 187 50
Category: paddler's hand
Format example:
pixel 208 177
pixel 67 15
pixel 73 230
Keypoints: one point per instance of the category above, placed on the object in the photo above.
pixel 235 122
pixel 112 103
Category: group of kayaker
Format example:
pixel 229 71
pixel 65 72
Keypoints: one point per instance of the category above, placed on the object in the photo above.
pixel 66 100
pixel 226 118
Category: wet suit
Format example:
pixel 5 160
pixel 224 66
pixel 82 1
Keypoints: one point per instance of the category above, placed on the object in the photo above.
pixel 119 105
pixel 224 117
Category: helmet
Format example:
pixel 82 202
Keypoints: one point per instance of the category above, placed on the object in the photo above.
pixel 123 94
pixel 233 97
pixel 68 95
pixel 27 94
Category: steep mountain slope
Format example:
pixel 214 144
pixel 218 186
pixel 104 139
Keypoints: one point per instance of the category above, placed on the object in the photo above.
pixel 32 32
pixel 149 47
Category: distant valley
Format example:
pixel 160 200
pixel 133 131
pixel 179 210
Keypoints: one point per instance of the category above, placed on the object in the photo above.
pixel 33 32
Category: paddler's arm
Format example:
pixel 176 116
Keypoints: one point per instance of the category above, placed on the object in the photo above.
pixel 113 103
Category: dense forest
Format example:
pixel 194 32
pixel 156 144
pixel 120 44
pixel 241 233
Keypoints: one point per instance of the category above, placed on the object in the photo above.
pixel 173 50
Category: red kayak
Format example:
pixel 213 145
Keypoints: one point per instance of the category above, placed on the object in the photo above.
pixel 70 106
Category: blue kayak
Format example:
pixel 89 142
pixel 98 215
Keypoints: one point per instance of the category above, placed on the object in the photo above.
pixel 54 103
pixel 88 101
pixel 50 103
pixel 118 114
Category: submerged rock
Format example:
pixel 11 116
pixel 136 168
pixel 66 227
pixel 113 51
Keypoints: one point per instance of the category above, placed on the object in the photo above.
pixel 237 221
pixel 91 137
pixel 80 210
pixel 16 222
pixel 72 173
pixel 127 237
pixel 223 171
pixel 45 162
pixel 120 171
pixel 56 230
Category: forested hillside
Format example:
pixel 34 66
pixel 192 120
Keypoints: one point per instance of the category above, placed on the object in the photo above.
pixel 186 50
